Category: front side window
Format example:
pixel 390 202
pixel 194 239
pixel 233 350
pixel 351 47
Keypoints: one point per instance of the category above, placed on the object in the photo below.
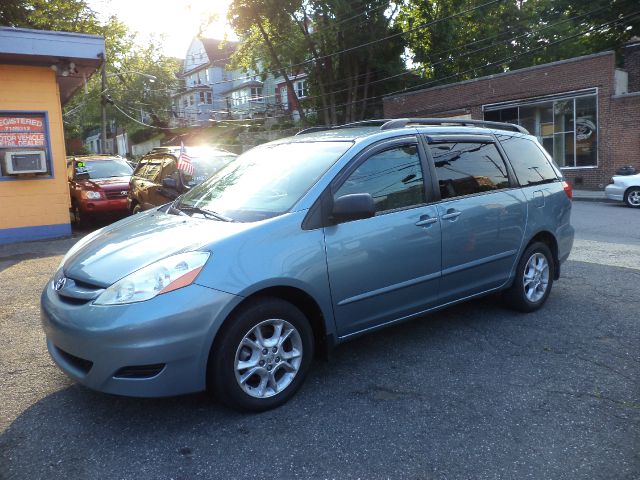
pixel 393 178
pixel 468 168
pixel 152 170
pixel 264 182
pixel 528 161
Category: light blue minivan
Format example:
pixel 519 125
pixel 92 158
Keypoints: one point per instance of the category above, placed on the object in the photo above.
pixel 304 243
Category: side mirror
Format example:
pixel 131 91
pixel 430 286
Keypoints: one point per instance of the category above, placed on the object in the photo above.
pixel 355 206
pixel 169 182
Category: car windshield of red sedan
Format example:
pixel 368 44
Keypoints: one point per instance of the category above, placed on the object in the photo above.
pixel 105 168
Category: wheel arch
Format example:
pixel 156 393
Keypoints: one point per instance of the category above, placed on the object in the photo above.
pixel 550 240
pixel 323 340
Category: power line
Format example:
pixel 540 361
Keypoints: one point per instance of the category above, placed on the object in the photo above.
pixel 356 47
pixel 505 60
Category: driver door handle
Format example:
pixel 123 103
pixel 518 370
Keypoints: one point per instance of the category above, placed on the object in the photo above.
pixel 426 220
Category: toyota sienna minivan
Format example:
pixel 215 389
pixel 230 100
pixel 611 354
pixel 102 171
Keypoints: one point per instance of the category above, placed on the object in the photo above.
pixel 304 243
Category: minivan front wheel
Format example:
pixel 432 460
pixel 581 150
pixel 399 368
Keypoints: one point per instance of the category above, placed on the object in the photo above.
pixel 263 355
pixel 534 279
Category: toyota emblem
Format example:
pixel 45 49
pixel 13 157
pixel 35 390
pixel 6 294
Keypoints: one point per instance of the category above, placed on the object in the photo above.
pixel 123 193
pixel 59 283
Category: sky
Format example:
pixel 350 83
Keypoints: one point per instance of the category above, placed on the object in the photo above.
pixel 177 20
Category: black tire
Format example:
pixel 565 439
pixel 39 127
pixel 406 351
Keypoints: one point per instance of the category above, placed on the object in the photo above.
pixel 518 296
pixel 78 218
pixel 631 197
pixel 221 375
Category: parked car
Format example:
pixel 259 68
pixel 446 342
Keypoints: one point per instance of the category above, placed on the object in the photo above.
pixel 157 180
pixel 304 243
pixel 625 188
pixel 98 185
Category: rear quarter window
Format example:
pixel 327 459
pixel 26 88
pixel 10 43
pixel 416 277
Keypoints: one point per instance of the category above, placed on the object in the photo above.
pixel 528 161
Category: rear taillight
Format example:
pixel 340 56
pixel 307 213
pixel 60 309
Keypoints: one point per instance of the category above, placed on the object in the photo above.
pixel 567 189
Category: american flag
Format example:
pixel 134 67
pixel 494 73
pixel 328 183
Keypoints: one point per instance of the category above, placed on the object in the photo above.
pixel 184 161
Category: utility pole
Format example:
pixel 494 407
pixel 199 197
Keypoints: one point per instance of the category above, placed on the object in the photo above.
pixel 103 102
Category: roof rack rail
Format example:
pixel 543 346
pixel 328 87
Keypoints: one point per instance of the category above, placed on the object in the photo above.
pixel 403 122
pixel 363 123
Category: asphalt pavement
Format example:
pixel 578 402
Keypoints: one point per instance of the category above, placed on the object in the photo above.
pixel 473 392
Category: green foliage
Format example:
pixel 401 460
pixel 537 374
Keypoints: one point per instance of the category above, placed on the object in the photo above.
pixel 508 34
pixel 295 36
pixel 130 91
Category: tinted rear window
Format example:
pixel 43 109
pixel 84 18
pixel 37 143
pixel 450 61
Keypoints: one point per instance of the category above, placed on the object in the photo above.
pixel 468 168
pixel 528 161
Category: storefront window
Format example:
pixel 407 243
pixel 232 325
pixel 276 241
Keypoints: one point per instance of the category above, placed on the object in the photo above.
pixel 566 128
pixel 24 145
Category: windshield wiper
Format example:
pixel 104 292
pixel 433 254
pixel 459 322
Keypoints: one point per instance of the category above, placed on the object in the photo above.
pixel 204 212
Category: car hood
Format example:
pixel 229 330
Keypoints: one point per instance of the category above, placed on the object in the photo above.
pixel 111 182
pixel 130 244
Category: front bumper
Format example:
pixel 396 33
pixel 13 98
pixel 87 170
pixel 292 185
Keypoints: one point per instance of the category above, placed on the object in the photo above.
pixel 172 333
pixel 117 205
pixel 614 192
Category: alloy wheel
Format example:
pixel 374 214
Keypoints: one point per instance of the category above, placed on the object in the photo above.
pixel 633 198
pixel 536 277
pixel 268 358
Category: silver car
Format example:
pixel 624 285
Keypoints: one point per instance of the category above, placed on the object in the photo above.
pixel 302 244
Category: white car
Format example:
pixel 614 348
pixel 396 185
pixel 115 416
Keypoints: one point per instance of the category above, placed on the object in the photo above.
pixel 625 188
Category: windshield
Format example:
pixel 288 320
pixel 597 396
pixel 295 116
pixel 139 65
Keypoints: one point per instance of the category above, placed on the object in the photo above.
pixel 264 182
pixel 104 168
pixel 205 167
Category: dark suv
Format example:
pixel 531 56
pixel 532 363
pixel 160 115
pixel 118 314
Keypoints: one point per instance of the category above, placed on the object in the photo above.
pixel 157 179
pixel 98 185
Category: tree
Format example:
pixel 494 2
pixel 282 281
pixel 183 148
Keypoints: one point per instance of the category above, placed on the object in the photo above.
pixel 336 42
pixel 130 92
pixel 453 40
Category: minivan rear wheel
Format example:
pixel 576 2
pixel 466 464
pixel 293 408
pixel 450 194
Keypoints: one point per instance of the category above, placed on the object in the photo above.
pixel 534 279
pixel 262 356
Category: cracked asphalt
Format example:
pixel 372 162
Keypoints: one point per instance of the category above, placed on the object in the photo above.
pixel 472 392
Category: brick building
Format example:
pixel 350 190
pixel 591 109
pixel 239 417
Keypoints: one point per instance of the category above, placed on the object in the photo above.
pixel 585 111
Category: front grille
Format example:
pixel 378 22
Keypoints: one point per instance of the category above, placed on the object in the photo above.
pixel 111 194
pixel 79 363
pixel 77 292
pixel 139 371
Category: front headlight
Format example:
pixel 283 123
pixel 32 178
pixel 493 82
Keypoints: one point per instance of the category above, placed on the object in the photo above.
pixel 162 276
pixel 91 194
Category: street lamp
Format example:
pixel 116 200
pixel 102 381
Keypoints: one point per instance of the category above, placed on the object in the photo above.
pixel 103 100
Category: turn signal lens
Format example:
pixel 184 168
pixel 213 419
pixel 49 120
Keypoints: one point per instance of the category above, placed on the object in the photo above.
pixel 567 189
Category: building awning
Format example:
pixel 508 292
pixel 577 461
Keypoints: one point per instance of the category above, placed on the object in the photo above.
pixel 73 56
pixel 247 84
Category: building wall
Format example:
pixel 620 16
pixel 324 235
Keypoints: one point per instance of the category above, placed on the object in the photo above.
pixel 37 207
pixel 559 77
pixel 625 122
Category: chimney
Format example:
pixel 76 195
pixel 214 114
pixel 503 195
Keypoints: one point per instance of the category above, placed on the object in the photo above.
pixel 631 52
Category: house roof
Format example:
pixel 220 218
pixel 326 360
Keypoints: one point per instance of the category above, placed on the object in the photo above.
pixel 217 53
